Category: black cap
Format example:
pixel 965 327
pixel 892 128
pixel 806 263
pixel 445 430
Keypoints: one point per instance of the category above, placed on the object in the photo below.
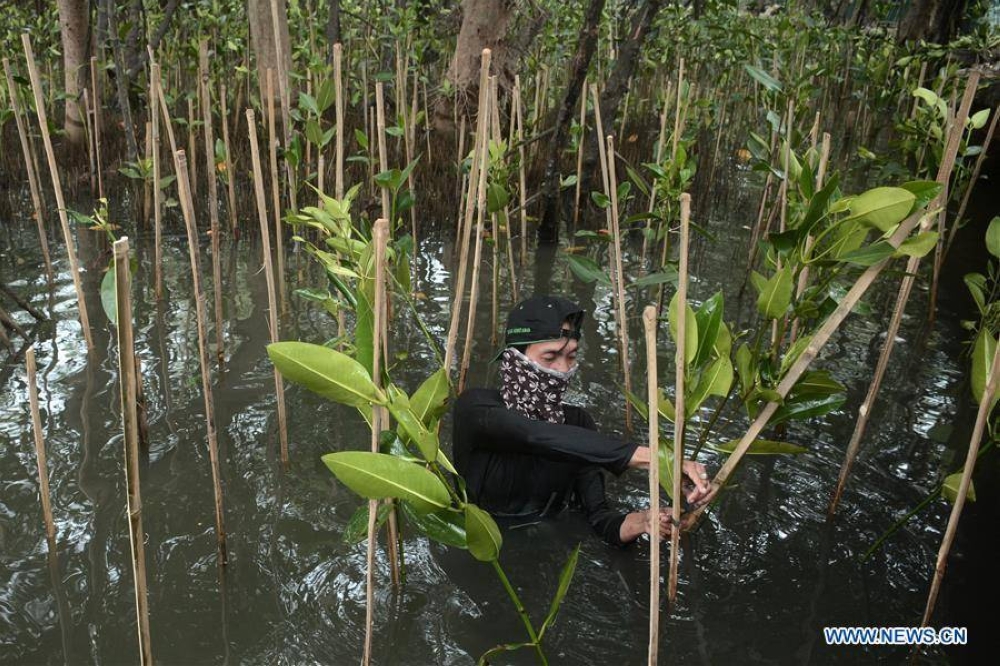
pixel 540 319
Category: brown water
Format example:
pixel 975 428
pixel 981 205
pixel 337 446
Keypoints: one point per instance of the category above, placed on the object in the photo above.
pixel 759 580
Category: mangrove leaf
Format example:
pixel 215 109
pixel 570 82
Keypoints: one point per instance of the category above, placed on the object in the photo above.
pixel 565 578
pixel 882 207
pixel 413 428
pixel 762 447
pixel 993 237
pixel 776 295
pixel 587 269
pixel 919 245
pixel 357 526
pixel 326 372
pixel 982 359
pixel 447 527
pixel 430 400
pixel 379 476
pixel 690 328
pixel 482 534
pixel 949 489
pixel 709 318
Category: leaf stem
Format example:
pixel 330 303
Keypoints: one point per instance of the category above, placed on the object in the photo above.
pixel 520 611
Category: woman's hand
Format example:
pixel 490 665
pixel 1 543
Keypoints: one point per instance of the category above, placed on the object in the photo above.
pixel 638 523
pixel 701 489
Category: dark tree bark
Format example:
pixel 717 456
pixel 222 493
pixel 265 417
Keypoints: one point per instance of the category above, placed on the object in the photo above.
pixel 333 21
pixel 931 20
pixel 141 55
pixel 548 230
pixel 614 91
pixel 74 28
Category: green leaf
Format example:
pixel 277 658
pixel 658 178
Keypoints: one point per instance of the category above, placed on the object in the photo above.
pixel 949 489
pixel 565 578
pixel 813 384
pixel 716 380
pixel 430 400
pixel 976 282
pixel 744 360
pixel 797 409
pixel 413 428
pixel 792 353
pixel 378 476
pixel 978 119
pixel 869 255
pixel 882 207
pixel 314 133
pixel 586 269
pixel 763 78
pixel 982 360
pixel 600 199
pixel 690 328
pixel 758 281
pixel 496 197
pixel 709 317
pixel 447 527
pixel 665 455
pixel 357 526
pixel 923 190
pixel 762 447
pixel 667 276
pixel 482 534
pixel 361 138
pixel 326 372
pixel 818 204
pixel 776 295
pixel 308 103
pixel 993 237
pixel 109 294
pixel 919 245
pixel 723 341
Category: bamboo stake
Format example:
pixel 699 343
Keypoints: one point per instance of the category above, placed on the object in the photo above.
pixel 579 156
pixel 380 235
pixel 649 325
pixel 36 426
pixel 187 208
pixel 147 186
pixel 985 407
pixel 272 143
pixel 972 182
pixel 427 132
pixel 91 159
pixel 680 361
pixel 458 161
pixel 43 123
pixel 213 195
pixel 339 88
pixel 803 282
pixel 192 146
pixel 618 273
pixel 29 165
pixel 409 135
pixel 130 423
pixel 230 175
pixel 484 162
pixel 905 287
pixel 481 129
pixel 154 98
pixel 98 124
pixel 272 301
pixel 383 159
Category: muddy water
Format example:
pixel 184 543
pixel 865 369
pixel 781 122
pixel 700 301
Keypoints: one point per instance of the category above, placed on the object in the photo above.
pixel 759 580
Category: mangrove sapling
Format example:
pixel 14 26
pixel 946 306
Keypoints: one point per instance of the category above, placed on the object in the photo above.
pixel 905 287
pixel 258 180
pixel 187 209
pixel 130 423
pixel 409 466
pixel 43 123
pixel 29 165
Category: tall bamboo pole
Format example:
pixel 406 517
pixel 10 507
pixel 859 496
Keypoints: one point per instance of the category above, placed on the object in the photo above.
pixel 383 158
pixel 380 235
pixel 985 407
pixel 680 361
pixel 579 156
pixel 522 187
pixel 154 100
pixel 213 195
pixel 481 129
pixel 649 325
pixel 43 123
pixel 272 301
pixel 230 174
pixel 187 208
pixel 618 279
pixel 130 423
pixel 29 165
pixel 36 428
pixel 338 83
pixel 272 146
pixel 905 287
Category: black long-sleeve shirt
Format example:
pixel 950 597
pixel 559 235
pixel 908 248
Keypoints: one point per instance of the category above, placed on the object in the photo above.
pixel 514 466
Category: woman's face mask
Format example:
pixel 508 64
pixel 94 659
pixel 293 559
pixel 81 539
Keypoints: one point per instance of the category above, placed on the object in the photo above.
pixel 531 389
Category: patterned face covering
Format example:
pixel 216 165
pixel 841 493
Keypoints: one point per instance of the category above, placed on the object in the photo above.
pixel 532 390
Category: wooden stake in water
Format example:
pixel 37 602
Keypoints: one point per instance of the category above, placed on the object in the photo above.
pixel 383 158
pixel 380 236
pixel 272 142
pixel 649 325
pixel 213 195
pixel 272 301
pixel 154 100
pixel 982 416
pixel 618 276
pixel 579 156
pixel 680 361
pixel 482 127
pixel 130 423
pixel 338 84
pixel 522 187
pixel 43 123
pixel 230 174
pixel 36 428
pixel 187 208
pixel 98 124
pixel 29 165
pixel 905 287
